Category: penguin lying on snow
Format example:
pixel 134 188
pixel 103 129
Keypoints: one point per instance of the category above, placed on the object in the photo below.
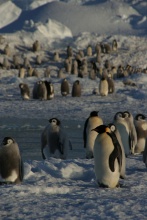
pixel 89 136
pixel 107 157
pixel 54 141
pixel 11 165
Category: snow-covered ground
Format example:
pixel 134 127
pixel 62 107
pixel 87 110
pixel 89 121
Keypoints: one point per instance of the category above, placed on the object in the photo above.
pixel 66 189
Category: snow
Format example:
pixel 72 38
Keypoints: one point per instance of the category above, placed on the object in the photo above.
pixel 67 189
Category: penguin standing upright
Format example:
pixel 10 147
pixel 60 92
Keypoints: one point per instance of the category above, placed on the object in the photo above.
pixel 64 87
pixel 103 86
pixel 123 128
pixel 140 122
pixel 49 89
pixel 132 129
pixel 40 91
pixel 123 166
pixel 24 90
pixel 107 157
pixel 89 136
pixel 145 154
pixel 11 165
pixel 76 89
pixel 111 85
pixel 114 45
pixel 54 140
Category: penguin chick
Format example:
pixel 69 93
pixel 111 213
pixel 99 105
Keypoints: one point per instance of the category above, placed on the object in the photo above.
pixel 25 91
pixel 140 122
pixel 89 136
pixel 76 89
pixel 64 87
pixel 11 164
pixel 54 141
pixel 132 130
pixel 123 128
pixel 40 91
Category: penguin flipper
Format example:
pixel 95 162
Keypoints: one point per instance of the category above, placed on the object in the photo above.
pixel 84 132
pixel 6 182
pixel 21 170
pixel 43 156
pixel 116 153
pixel 112 158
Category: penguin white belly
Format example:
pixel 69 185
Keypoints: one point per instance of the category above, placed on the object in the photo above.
pixel 26 97
pixel 140 146
pixel 51 96
pixel 102 149
pixel 124 133
pixel 91 136
pixel 10 178
pixel 103 88
pixel 123 167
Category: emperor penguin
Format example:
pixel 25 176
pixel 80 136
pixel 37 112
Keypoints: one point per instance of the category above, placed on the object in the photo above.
pixel 107 158
pixel 54 140
pixel 40 91
pixel 49 89
pixel 7 50
pixel 76 89
pixel 103 86
pixel 89 136
pixel 133 135
pixel 145 153
pixel 114 45
pixel 22 72
pixel 25 91
pixel 11 164
pixel 111 84
pixel 36 46
pixel 140 122
pixel 89 50
pixel 64 87
pixel 123 128
pixel 116 132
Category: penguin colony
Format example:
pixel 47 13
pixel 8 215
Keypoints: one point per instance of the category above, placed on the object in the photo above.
pixel 109 144
pixel 113 142
pixel 92 63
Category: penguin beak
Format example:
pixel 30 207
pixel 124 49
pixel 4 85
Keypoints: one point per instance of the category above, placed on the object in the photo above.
pixel 94 129
pixel 108 130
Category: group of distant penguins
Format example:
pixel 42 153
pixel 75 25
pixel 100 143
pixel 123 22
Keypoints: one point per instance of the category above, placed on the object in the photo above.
pixel 109 145
pixel 44 90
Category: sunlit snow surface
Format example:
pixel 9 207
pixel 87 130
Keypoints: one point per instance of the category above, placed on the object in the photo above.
pixel 66 189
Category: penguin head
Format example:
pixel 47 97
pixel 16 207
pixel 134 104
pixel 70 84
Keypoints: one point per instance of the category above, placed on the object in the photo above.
pixel 112 127
pixel 54 121
pixel 127 114
pixel 94 113
pixel 21 85
pixel 140 117
pixel 77 82
pixel 102 129
pixel 40 82
pixel 7 141
pixel 119 115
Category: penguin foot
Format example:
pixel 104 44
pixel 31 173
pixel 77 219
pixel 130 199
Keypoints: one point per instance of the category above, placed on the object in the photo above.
pixel 102 185
pixel 6 182
pixel 122 177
